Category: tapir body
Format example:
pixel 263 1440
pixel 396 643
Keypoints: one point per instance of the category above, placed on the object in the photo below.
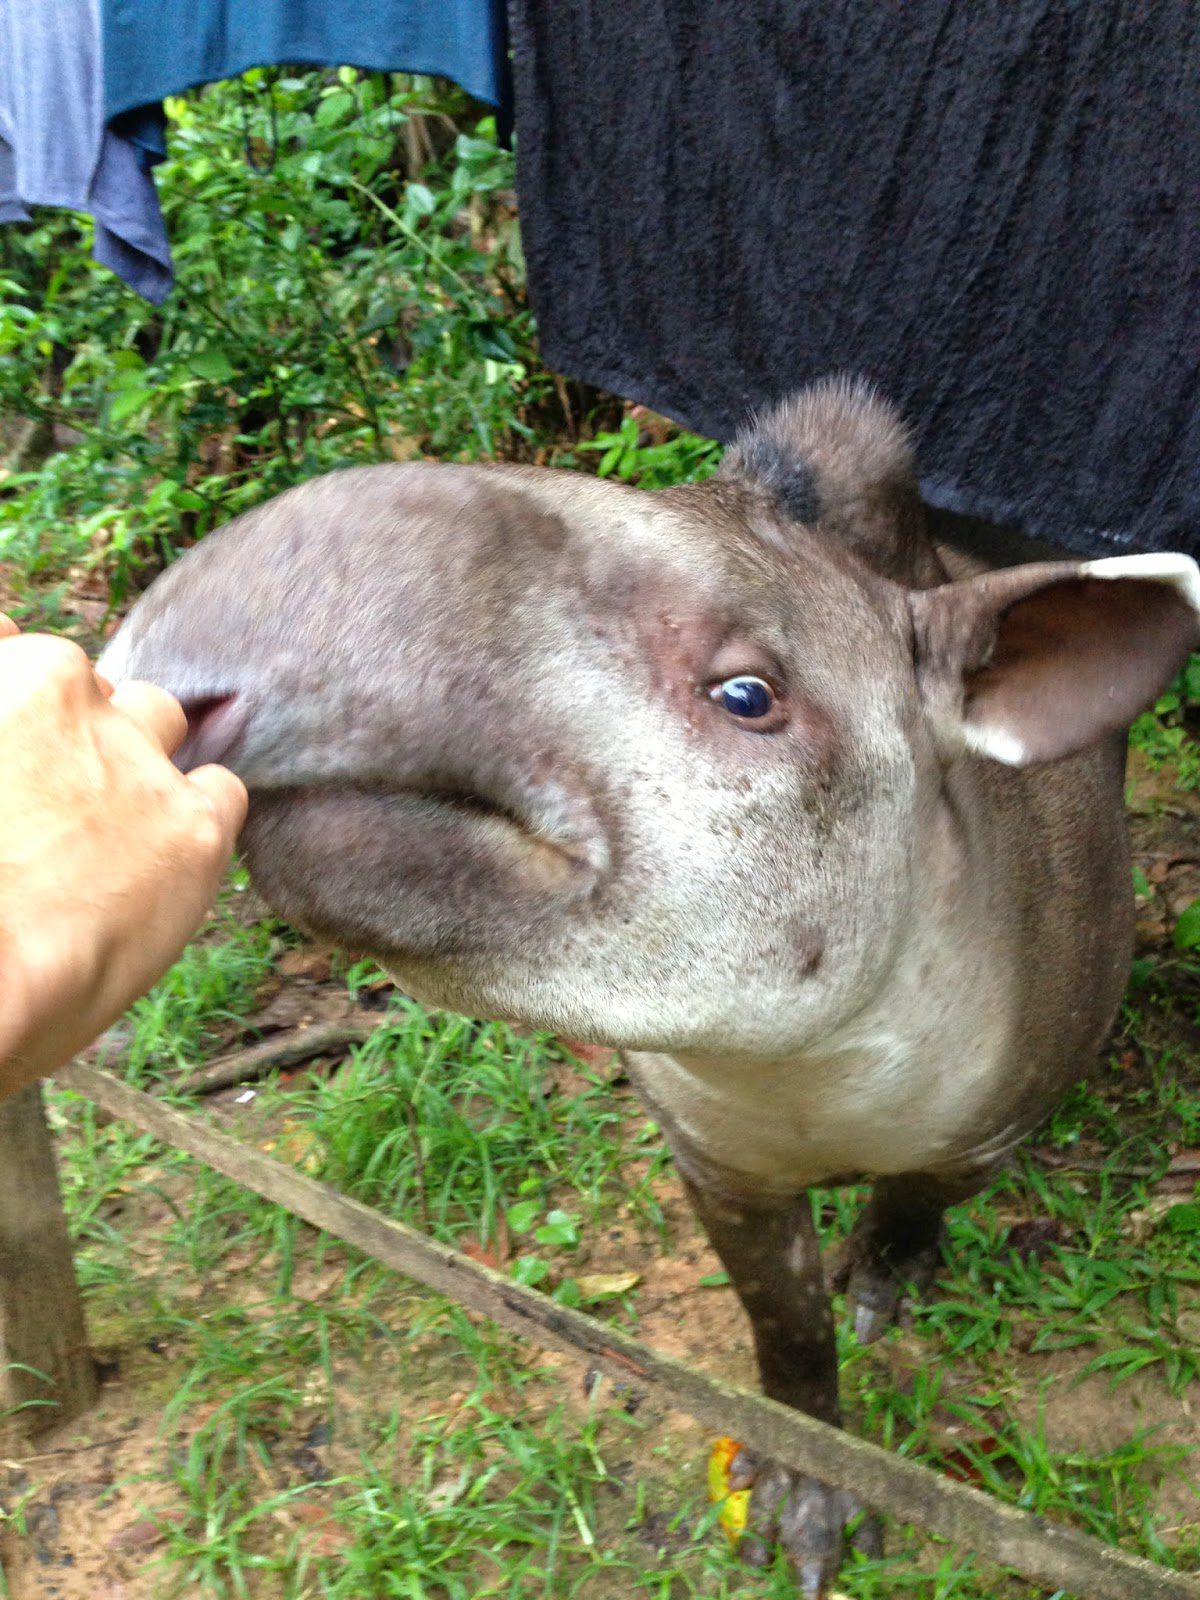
pixel 746 779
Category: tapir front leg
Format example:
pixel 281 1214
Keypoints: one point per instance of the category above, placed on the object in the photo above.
pixel 774 1263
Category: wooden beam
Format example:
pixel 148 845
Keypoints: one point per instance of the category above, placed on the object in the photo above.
pixel 1059 1557
pixel 47 1372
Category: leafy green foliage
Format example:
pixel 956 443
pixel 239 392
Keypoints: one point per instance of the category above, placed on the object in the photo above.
pixel 1163 734
pixel 625 454
pixel 327 311
pixel 1187 928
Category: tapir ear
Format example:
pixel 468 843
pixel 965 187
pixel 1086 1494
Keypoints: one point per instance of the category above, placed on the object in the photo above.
pixel 1036 662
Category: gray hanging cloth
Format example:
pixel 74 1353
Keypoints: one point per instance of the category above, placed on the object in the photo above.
pixel 991 209
pixel 55 149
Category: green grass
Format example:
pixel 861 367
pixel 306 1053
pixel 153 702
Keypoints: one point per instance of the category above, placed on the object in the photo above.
pixel 459 1467
pixel 451 1123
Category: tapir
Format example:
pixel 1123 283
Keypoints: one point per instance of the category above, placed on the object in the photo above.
pixel 817 822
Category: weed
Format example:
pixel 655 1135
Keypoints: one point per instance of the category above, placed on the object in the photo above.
pixel 1163 736
pixel 625 454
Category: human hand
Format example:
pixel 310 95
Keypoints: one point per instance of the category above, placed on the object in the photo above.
pixel 109 857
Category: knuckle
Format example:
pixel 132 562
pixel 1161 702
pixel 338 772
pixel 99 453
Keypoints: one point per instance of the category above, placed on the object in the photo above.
pixel 58 659
pixel 206 835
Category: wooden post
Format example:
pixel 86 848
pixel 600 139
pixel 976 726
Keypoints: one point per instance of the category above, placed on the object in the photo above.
pixel 46 1370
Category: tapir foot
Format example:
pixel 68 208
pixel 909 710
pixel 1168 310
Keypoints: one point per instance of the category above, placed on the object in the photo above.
pixel 804 1516
pixel 882 1293
pixel 881 1287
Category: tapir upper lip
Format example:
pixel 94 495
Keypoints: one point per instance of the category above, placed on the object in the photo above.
pixel 217 726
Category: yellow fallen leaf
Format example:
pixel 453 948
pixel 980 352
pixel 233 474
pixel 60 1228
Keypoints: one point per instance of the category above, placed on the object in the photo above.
pixel 604 1285
pixel 736 1501
pixel 301 1147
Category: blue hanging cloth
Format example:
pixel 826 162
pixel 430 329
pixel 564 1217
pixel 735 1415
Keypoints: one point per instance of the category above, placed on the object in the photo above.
pixel 156 48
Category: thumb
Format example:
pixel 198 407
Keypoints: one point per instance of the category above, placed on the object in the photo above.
pixel 226 793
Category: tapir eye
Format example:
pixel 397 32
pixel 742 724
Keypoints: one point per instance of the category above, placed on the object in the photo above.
pixel 744 696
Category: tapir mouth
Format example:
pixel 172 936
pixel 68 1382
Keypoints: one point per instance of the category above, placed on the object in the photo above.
pixel 531 831
pixel 215 724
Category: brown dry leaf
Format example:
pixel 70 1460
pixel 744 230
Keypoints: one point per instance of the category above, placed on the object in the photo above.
pixel 138 1535
pixel 305 962
pixel 146 1178
pixel 488 1255
pixel 403 446
pixel 448 1490
pixel 327 1534
pixel 597 1056
pixel 308 1512
pixel 1140 1224
pixel 332 1278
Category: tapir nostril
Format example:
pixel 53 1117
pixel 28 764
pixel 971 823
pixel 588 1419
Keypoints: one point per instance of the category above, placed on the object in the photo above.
pixel 215 724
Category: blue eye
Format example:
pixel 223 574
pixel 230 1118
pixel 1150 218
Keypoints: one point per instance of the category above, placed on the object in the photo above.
pixel 745 696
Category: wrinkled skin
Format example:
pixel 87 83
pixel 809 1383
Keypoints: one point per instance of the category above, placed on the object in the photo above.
pixel 874 930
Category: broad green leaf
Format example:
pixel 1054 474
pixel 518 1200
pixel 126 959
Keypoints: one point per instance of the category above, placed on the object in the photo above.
pixel 212 363
pixel 1187 929
pixel 127 402
pixel 523 1215
pixel 1183 1218
pixel 419 201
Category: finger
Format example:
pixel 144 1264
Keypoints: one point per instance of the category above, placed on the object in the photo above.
pixel 105 688
pixel 227 795
pixel 8 628
pixel 157 713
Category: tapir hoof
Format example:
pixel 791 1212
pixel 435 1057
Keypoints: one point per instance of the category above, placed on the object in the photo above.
pixel 882 1295
pixel 881 1292
pixel 805 1517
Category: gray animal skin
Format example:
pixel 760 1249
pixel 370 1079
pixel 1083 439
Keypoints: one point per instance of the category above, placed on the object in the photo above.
pixel 867 913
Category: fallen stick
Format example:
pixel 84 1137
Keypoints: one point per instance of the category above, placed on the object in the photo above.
pixel 1060 1558
pixel 1180 1169
pixel 284 1050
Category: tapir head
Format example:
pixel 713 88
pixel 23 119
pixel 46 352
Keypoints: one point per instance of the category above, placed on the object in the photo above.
pixel 653 769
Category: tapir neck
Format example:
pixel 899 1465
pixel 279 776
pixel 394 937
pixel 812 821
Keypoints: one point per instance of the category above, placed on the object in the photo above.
pixel 881 1090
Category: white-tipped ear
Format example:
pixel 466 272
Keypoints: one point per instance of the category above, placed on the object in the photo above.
pixel 1181 572
pixel 997 743
pixel 1036 662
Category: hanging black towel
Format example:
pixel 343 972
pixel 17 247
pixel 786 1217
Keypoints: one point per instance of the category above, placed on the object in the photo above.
pixel 992 209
